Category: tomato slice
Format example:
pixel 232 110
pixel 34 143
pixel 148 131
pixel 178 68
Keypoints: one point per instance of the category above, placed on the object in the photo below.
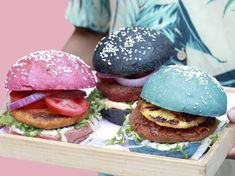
pixel 66 106
pixel 17 95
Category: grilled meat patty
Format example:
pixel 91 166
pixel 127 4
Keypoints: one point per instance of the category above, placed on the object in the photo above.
pixel 153 132
pixel 45 119
pixel 119 93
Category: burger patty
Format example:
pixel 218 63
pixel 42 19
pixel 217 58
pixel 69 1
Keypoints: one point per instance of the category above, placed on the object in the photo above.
pixel 119 93
pixel 45 119
pixel 149 130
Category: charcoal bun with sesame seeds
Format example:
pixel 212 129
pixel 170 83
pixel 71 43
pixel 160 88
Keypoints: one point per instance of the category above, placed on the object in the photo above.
pixel 132 50
pixel 48 97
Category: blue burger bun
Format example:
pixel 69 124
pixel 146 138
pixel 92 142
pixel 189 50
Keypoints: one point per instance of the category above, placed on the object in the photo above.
pixel 185 89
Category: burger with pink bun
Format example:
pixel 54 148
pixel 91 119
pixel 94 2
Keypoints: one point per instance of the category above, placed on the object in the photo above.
pixel 48 99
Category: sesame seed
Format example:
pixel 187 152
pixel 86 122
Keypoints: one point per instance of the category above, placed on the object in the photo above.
pixel 192 72
pixel 127 42
pixel 55 62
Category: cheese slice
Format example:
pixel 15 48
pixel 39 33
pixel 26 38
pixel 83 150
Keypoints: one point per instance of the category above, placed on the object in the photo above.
pixel 118 105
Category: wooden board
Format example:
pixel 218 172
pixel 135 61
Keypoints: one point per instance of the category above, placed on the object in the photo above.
pixel 115 161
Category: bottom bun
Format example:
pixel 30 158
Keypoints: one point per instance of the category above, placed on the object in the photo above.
pixel 115 116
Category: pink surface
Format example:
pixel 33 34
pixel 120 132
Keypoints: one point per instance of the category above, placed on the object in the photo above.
pixel 27 26
pixel 10 167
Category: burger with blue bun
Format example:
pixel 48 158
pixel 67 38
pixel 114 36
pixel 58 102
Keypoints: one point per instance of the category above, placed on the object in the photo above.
pixel 175 115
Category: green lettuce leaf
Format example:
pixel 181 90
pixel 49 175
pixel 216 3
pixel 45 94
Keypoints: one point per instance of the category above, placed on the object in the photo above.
pixel 96 101
pixel 96 105
pixel 6 119
pixel 126 133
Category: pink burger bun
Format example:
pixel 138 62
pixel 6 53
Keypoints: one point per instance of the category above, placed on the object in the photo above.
pixel 49 70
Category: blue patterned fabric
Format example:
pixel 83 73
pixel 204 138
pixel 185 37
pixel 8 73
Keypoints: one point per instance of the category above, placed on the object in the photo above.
pixel 92 14
pixel 187 152
pixel 202 30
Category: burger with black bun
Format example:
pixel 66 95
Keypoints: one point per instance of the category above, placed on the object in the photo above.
pixel 175 115
pixel 47 97
pixel 123 61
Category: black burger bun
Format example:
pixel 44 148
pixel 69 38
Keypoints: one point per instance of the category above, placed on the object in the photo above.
pixel 132 50
pixel 115 116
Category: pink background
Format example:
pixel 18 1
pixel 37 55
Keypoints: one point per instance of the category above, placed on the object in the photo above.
pixel 27 26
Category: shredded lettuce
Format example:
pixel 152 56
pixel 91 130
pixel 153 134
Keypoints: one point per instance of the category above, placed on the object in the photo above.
pixel 126 133
pixel 180 148
pixel 96 105
pixel 209 141
pixel 96 101
pixel 6 119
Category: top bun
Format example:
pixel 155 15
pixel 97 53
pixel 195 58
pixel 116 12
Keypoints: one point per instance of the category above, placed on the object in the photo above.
pixel 49 70
pixel 132 50
pixel 185 89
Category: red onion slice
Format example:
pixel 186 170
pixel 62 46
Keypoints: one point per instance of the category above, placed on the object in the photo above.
pixel 27 100
pixel 139 82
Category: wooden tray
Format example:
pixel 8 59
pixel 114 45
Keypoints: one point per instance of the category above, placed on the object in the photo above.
pixel 115 161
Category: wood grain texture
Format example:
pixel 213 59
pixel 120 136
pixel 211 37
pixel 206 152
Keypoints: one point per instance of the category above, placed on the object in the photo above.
pixel 215 157
pixel 114 161
pixel 95 159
